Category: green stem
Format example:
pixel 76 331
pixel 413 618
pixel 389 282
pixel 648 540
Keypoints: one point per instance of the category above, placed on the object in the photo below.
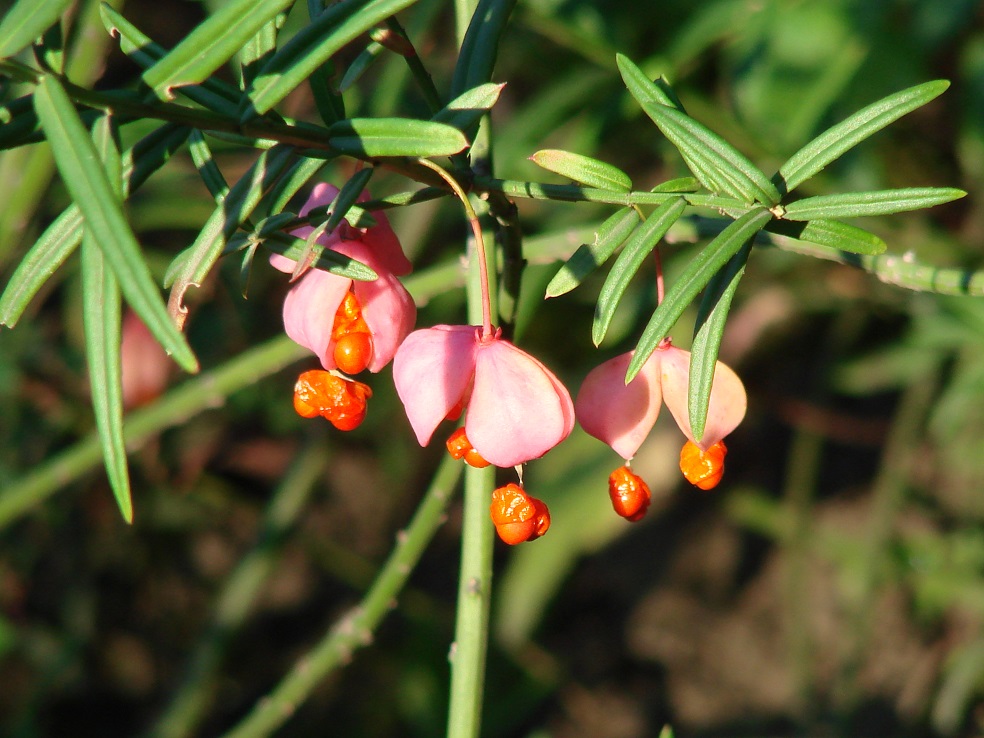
pixel 471 635
pixel 355 629
pixel 207 391
pixel 237 598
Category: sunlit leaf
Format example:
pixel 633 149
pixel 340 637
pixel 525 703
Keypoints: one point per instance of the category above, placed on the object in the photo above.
pixel 833 233
pixel 711 318
pixel 26 21
pixel 377 137
pixel 314 45
pixel 590 256
pixel 86 180
pixel 879 202
pixel 465 110
pixel 583 169
pixel 833 142
pixel 635 251
pixel 694 278
pixel 211 44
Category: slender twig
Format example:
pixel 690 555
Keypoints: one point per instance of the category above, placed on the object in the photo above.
pixel 355 629
pixel 479 242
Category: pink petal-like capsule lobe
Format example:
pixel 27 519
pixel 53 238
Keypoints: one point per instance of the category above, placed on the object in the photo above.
pixel 620 414
pixel 432 370
pixel 518 409
pixel 728 401
pixel 309 312
pixel 144 363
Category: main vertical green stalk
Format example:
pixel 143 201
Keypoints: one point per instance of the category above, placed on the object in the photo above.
pixel 471 634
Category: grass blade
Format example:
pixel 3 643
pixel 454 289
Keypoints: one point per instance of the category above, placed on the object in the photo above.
pixel 695 277
pixel 86 181
pixel 833 142
pixel 635 251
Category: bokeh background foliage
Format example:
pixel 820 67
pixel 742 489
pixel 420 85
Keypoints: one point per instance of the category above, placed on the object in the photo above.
pixel 834 583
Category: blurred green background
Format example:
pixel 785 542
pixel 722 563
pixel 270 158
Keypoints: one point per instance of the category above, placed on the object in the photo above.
pixel 833 584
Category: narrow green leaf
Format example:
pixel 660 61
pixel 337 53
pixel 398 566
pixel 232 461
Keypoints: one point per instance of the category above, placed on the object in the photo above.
pixel 360 65
pixel 833 142
pixel 879 202
pixel 193 265
pixel 298 174
pixel 378 137
pixel 642 88
pixel 211 44
pixel 831 233
pixel 583 169
pixel 590 256
pixel 312 46
pixel 732 172
pixel 61 238
pixel 711 318
pixel 695 277
pixel 212 94
pixel 680 184
pixel 208 170
pixel 347 197
pixel 329 260
pixel 86 181
pixel 26 21
pixel 20 122
pixel 102 323
pixel 480 47
pixel 634 253
pixel 260 48
pixel 465 110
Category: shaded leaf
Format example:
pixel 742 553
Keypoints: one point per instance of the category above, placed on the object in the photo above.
pixel 590 256
pixel 378 137
pixel 833 142
pixel 583 169
pixel 879 202
pixel 694 278
pixel 480 46
pixel 634 252
pixel 85 178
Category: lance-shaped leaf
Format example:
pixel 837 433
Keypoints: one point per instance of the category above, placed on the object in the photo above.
pixel 590 256
pixel 86 181
pixel 833 142
pixel 831 233
pixel 193 265
pixel 479 48
pixel 312 46
pixel 213 42
pixel 694 278
pixel 711 317
pixel 61 238
pixel 634 253
pixel 208 170
pixel 102 322
pixel 26 21
pixel 329 260
pixel 583 169
pixel 467 109
pixel 730 170
pixel 379 137
pixel 212 94
pixel 879 202
pixel 642 88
